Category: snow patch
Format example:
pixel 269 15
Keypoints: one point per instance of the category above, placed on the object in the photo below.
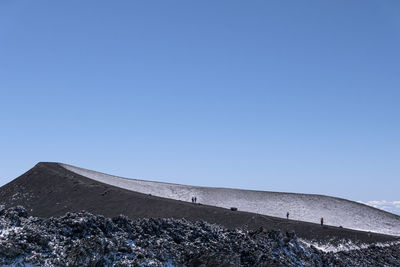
pixel 347 245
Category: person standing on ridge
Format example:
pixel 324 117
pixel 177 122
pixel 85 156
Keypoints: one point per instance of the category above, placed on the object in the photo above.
pixel 322 221
pixel 287 215
pixel 195 199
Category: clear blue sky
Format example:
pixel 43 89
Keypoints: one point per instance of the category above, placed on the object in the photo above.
pixel 298 96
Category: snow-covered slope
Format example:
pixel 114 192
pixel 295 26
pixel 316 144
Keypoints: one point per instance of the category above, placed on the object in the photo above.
pixel 304 207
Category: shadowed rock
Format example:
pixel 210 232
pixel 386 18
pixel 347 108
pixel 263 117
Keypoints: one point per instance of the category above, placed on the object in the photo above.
pixel 83 239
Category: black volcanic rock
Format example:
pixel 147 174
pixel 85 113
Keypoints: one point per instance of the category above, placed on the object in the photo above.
pixel 51 190
pixel 83 239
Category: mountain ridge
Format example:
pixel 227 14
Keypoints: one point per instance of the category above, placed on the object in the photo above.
pixel 233 188
pixel 48 190
pixel 304 207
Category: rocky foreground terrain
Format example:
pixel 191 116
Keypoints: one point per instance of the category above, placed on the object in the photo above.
pixel 83 239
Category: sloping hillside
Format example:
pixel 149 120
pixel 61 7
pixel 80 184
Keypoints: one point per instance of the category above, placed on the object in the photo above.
pixel 303 207
pixel 49 189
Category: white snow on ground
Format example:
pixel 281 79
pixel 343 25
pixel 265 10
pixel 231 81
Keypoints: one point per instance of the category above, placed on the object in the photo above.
pixel 303 207
pixel 390 206
pixel 4 232
pixel 345 246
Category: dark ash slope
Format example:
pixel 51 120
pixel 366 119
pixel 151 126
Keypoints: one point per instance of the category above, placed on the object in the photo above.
pixel 50 190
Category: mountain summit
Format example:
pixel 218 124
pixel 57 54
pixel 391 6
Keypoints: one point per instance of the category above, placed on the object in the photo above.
pixel 52 189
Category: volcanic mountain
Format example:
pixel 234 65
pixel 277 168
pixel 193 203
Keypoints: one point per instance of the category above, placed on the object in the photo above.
pixel 52 189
